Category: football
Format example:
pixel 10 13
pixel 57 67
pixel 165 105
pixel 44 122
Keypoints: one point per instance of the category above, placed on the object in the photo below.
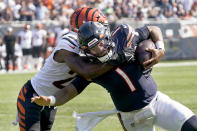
pixel 141 53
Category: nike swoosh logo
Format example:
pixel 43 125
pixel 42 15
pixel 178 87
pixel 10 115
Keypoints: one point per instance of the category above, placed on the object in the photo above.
pixel 73 47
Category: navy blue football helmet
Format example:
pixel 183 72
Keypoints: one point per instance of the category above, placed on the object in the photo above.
pixel 90 34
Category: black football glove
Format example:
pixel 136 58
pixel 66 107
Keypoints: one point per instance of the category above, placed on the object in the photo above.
pixel 129 54
pixel 117 58
pixel 125 55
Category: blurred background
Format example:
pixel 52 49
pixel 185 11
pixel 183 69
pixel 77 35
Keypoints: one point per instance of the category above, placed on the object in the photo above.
pixel 44 20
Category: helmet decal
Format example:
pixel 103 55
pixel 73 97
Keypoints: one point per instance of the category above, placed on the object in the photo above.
pixel 86 14
pixel 92 42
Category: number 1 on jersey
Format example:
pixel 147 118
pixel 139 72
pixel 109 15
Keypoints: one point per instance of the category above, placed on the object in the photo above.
pixel 126 78
pixel 59 84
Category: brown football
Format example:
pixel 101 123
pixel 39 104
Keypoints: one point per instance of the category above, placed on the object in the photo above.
pixel 141 53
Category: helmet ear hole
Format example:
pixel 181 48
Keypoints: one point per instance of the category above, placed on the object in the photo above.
pixel 83 47
pixel 101 36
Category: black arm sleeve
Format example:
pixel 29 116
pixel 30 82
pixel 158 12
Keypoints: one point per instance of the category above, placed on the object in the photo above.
pixel 80 83
pixel 143 34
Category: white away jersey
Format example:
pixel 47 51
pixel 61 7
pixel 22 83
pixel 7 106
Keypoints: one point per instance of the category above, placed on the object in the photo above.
pixel 26 38
pixel 38 36
pixel 2 51
pixel 53 75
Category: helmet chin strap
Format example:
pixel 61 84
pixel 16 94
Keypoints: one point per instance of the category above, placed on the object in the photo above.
pixel 106 57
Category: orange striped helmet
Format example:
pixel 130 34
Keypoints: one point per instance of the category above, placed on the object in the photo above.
pixel 86 14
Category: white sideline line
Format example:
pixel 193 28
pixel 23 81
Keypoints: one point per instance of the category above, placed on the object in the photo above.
pixel 169 64
pixel 18 72
pixel 176 64
pixel 8 114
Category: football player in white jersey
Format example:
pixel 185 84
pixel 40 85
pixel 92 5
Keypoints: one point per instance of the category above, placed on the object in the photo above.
pixel 38 42
pixel 18 54
pixel 25 41
pixel 2 55
pixel 58 71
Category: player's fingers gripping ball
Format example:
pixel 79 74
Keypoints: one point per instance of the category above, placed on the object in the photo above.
pixel 142 54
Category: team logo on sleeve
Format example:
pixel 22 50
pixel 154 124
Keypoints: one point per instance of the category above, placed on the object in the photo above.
pixel 73 47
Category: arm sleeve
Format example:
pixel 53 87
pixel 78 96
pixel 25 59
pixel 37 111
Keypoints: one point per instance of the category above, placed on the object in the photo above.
pixel 80 83
pixel 142 34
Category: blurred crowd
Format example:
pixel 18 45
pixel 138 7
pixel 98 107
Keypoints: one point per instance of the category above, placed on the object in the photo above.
pixel 60 10
pixel 28 47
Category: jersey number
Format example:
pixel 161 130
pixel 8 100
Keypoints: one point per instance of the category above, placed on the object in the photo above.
pixel 59 84
pixel 126 78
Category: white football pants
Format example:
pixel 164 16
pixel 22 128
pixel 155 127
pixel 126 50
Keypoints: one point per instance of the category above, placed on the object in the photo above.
pixel 162 112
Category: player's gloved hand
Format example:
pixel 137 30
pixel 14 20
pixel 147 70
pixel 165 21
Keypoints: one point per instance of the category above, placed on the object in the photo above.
pixel 122 56
pixel 41 100
pixel 129 54
pixel 116 59
pixel 157 54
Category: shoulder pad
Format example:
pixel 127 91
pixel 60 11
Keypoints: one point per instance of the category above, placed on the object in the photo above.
pixel 71 37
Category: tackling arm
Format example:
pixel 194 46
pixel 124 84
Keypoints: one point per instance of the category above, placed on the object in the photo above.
pixel 64 95
pixel 86 69
pixel 61 97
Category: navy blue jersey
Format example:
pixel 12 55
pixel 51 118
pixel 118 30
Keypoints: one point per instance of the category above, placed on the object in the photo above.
pixel 129 88
pixel 125 36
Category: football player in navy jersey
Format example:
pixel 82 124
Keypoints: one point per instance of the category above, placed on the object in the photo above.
pixel 132 89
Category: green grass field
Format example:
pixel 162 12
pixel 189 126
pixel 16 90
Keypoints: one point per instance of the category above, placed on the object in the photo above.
pixel 180 83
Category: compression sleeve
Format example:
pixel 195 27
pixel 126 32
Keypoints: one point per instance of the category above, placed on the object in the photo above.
pixel 142 34
pixel 80 83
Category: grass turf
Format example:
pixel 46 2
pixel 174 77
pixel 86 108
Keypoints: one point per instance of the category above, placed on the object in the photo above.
pixel 177 82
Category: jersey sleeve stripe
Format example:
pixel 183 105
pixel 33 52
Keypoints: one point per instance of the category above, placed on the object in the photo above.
pixel 70 41
pixel 68 34
pixel 130 37
pixel 130 33
pixel 73 38
pixel 65 34
pixel 130 41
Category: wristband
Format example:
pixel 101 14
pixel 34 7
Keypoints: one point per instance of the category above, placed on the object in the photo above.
pixel 53 100
pixel 160 45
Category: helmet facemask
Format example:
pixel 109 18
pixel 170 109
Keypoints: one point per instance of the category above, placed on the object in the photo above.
pixel 110 46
